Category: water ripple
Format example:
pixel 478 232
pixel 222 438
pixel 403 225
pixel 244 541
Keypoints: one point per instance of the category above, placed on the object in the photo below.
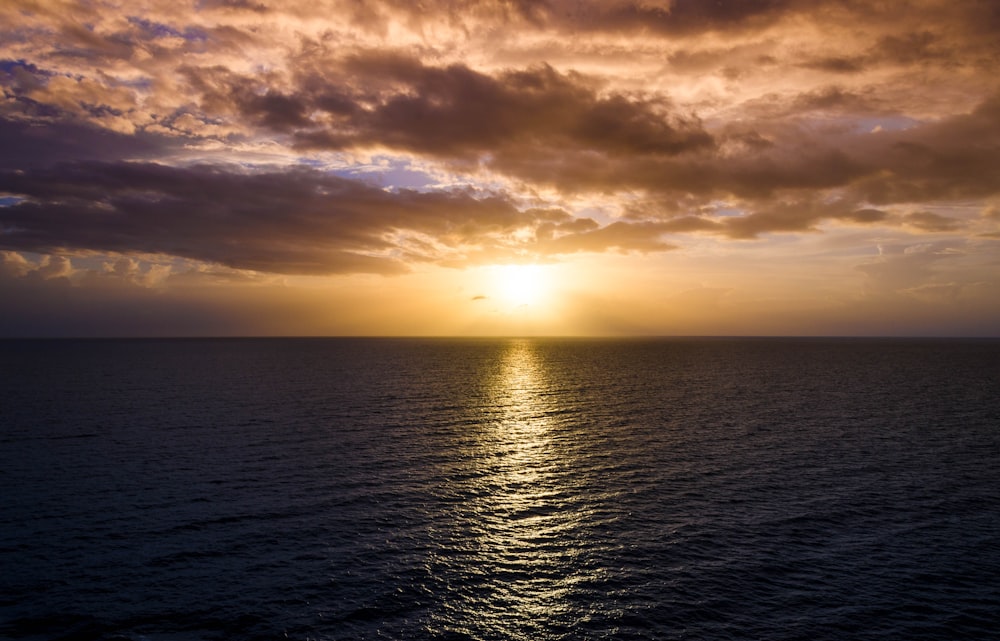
pixel 499 489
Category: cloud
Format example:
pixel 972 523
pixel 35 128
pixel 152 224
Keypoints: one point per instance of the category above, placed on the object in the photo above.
pixel 161 139
pixel 931 222
pixel 667 17
pixel 837 64
pixel 14 265
pixel 27 145
pixel 905 268
pixel 292 222
pixel 54 267
pixel 458 113
pixel 299 221
pixel 623 236
pixel 545 126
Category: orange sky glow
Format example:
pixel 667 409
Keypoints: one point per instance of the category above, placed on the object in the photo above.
pixel 487 167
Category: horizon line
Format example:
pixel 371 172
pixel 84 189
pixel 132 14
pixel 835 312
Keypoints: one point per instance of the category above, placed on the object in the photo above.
pixel 515 337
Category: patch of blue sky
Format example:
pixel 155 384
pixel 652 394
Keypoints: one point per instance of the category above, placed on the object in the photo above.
pixel 102 110
pixel 725 210
pixel 313 162
pixel 106 262
pixel 91 262
pixel 160 30
pixel 10 201
pixel 889 123
pixel 8 65
pixel 394 173
pixel 390 173
pixel 139 84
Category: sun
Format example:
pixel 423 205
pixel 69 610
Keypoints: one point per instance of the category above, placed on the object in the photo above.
pixel 520 285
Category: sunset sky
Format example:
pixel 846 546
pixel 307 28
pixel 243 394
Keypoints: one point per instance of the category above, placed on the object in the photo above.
pixel 484 167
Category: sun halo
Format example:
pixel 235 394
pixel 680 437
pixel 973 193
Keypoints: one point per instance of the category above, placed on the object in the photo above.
pixel 520 285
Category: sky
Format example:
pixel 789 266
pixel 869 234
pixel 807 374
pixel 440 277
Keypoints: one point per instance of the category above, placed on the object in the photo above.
pixel 499 167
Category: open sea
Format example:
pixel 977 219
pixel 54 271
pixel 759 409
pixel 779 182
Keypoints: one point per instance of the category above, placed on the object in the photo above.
pixel 495 489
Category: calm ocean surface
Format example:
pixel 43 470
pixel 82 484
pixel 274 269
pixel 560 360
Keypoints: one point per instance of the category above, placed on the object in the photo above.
pixel 529 489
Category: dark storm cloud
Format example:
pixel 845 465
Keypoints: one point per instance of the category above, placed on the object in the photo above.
pixel 780 217
pixel 19 77
pixel 553 128
pixel 783 158
pixel 294 222
pixel 952 159
pixel 236 6
pixel 30 144
pixel 288 222
pixel 837 64
pixel 912 48
pixel 748 174
pixel 866 215
pixel 456 112
pixel 955 158
pixel 681 16
pixel 541 126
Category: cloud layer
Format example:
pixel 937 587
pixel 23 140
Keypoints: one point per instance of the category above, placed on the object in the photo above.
pixel 335 137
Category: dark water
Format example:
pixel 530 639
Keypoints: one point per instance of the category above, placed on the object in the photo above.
pixel 500 489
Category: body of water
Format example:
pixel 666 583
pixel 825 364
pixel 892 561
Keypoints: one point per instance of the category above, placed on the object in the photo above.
pixel 524 489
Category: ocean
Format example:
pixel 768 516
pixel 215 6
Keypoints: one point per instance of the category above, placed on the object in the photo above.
pixel 481 489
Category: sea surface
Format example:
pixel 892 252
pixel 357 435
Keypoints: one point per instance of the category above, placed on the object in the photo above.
pixel 523 489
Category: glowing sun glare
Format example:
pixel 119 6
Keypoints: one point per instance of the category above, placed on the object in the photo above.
pixel 519 285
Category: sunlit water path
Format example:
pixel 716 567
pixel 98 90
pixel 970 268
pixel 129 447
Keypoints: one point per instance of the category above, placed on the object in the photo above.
pixel 499 489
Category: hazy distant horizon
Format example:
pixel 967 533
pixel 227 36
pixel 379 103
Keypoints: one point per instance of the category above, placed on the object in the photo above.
pixel 486 337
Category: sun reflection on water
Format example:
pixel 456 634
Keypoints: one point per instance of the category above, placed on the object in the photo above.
pixel 525 542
